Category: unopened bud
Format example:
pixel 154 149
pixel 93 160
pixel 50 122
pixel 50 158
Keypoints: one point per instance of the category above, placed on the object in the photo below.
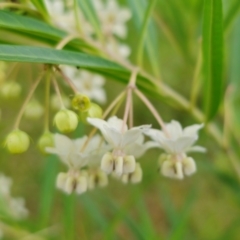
pixel 81 102
pixel 46 140
pixel 34 110
pixel 95 111
pixel 17 142
pixel 66 120
pixel 11 90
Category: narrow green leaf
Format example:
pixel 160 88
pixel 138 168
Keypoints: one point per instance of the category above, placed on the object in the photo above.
pixel 89 11
pixel 212 56
pixel 231 14
pixel 47 190
pixel 151 42
pixel 143 32
pixel 40 5
pixel 53 56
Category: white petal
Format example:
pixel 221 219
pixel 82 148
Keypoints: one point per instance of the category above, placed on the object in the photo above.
pixel 69 185
pixel 174 129
pixel 172 169
pixel 99 95
pixel 117 123
pixel 192 130
pixel 197 149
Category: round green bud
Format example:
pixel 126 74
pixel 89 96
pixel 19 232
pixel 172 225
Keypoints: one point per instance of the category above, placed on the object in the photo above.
pixel 11 90
pixel 66 121
pixel 34 110
pixel 46 140
pixel 17 142
pixel 95 111
pixel 81 102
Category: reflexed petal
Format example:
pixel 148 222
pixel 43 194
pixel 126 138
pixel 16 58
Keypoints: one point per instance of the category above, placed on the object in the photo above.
pixel 197 149
pixel 174 129
pixel 192 131
pixel 70 184
pixel 133 134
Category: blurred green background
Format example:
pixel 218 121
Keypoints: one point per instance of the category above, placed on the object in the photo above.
pixel 203 206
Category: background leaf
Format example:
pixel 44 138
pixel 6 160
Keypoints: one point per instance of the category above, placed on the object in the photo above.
pixel 212 56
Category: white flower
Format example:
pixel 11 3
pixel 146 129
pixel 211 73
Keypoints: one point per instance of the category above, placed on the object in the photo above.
pixel 176 142
pixel 112 17
pixel 63 17
pixel 5 185
pixel 73 181
pixel 69 152
pixel 17 208
pixel 119 49
pixel 134 177
pixel 96 177
pixel 87 83
pixel 119 137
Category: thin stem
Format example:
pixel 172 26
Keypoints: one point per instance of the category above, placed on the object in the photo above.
pixel 127 107
pixel 77 17
pixel 47 95
pixel 66 40
pixel 131 114
pixel 57 90
pixel 68 81
pixel 107 111
pixel 196 83
pixel 152 110
pixel 32 90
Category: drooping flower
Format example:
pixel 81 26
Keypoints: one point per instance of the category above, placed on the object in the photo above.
pixel 76 155
pixel 176 142
pixel 113 18
pixel 117 134
pixel 87 83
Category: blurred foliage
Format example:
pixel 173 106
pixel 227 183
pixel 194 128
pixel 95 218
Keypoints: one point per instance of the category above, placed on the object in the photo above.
pixel 203 206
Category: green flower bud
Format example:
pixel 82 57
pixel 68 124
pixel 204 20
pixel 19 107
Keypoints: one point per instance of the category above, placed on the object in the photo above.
pixel 81 102
pixel 11 90
pixel 66 120
pixel 95 111
pixel 46 140
pixel 17 141
pixel 34 110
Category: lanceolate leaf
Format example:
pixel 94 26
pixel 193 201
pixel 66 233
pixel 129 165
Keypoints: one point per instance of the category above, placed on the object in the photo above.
pixel 233 11
pixel 212 56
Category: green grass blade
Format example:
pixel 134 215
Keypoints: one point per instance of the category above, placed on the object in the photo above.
pixel 144 31
pixel 212 56
pixel 47 189
pixel 89 11
pixel 231 14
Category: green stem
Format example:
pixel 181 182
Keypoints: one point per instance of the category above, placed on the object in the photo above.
pixel 32 90
pixel 47 95
pixel 144 31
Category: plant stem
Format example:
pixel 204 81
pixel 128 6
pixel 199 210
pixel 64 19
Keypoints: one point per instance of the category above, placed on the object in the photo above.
pixel 152 110
pixel 47 95
pixel 68 81
pixel 32 90
pixel 57 90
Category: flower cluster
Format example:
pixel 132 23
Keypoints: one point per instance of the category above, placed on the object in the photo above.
pixel 14 208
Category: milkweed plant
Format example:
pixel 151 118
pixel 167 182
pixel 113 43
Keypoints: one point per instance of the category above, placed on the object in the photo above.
pixel 96 93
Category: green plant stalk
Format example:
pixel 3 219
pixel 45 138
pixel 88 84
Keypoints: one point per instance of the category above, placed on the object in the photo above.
pixel 143 32
pixel 47 95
